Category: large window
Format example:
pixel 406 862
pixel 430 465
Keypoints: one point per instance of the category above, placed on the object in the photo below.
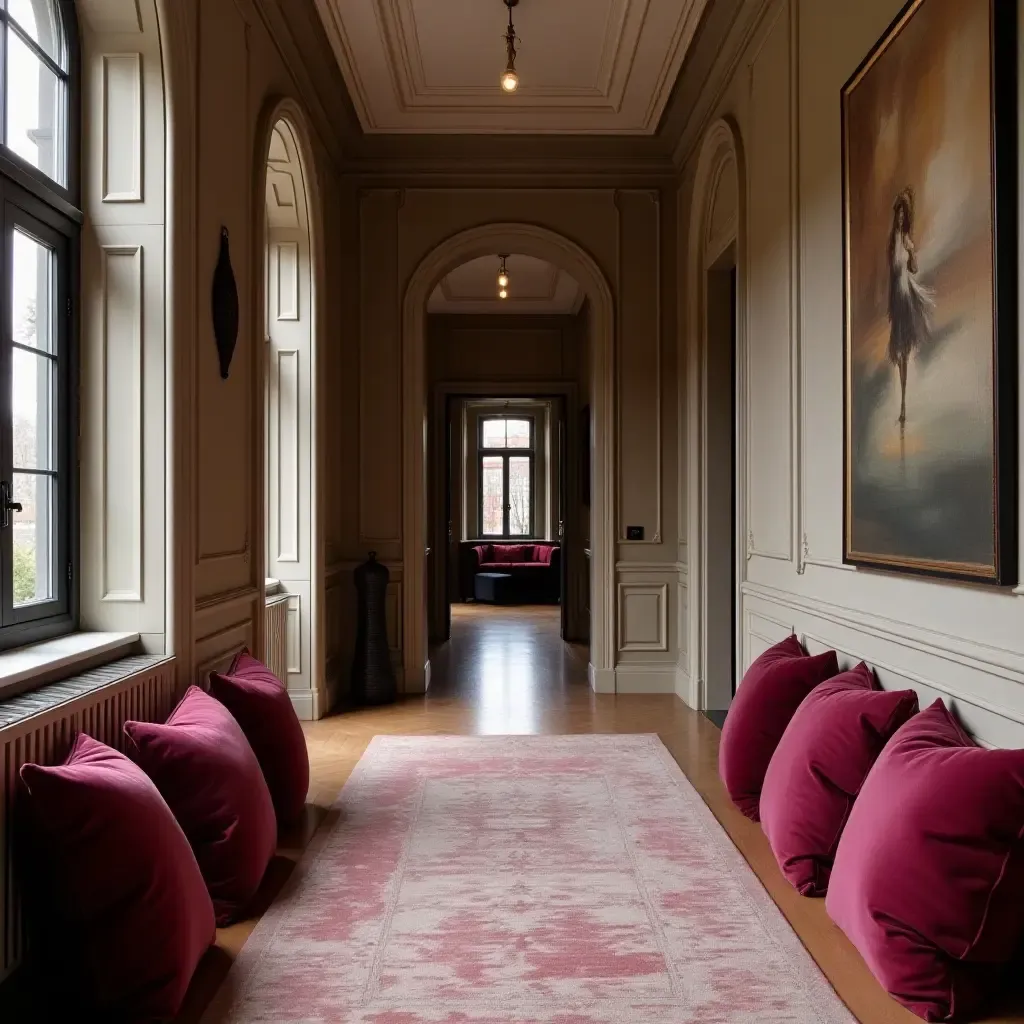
pixel 506 476
pixel 40 233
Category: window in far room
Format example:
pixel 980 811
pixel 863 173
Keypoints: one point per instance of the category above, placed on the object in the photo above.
pixel 506 476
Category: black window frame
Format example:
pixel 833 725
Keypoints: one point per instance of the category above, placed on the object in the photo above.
pixel 48 212
pixel 505 454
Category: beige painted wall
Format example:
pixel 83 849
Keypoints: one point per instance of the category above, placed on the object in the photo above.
pixel 958 642
pixel 630 234
pixel 210 74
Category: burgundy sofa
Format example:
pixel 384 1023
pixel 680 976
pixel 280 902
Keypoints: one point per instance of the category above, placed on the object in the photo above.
pixel 534 568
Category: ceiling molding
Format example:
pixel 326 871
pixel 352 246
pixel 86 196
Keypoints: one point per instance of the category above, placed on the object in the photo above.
pixel 301 41
pixel 726 34
pixel 617 81
pixel 308 50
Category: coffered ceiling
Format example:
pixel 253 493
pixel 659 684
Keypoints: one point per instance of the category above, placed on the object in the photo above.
pixel 535 287
pixel 585 66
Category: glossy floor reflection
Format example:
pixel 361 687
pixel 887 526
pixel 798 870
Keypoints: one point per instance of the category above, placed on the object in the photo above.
pixel 510 665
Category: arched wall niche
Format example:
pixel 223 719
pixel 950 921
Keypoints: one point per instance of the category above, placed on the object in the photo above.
pixel 530 240
pixel 717 222
pixel 288 304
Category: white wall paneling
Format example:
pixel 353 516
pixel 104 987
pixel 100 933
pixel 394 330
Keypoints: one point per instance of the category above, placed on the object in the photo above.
pixel 122 120
pixel 124 449
pixel 983 686
pixel 295 636
pixel 286 280
pixel 121 447
pixel 286 453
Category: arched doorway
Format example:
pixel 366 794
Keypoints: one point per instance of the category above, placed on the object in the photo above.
pixel 293 565
pixel 547 245
pixel 713 393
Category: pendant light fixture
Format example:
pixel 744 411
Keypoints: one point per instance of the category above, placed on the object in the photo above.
pixel 510 77
pixel 502 277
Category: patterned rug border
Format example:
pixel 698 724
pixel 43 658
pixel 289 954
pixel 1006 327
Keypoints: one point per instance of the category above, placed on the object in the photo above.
pixel 825 1002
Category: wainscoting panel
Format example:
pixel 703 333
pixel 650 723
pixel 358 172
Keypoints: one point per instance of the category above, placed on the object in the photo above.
pixel 643 617
pixel 985 692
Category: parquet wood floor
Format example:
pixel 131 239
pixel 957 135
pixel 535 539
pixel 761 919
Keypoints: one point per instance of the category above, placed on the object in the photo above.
pixel 507 671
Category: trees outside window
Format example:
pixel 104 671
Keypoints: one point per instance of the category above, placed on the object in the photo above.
pixel 506 477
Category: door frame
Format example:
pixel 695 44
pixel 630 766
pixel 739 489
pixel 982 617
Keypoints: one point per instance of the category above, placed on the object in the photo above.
pixel 443 394
pixel 709 238
pixel 529 240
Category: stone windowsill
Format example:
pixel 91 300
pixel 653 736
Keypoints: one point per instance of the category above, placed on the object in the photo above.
pixel 27 668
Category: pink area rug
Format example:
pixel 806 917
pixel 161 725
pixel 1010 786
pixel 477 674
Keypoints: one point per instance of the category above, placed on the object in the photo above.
pixel 523 880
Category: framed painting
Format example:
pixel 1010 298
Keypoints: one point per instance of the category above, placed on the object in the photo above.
pixel 930 265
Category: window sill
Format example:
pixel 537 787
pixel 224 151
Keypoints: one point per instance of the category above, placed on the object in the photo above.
pixel 27 668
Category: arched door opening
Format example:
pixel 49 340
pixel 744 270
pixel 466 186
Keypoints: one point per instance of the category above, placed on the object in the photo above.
pixel 716 332
pixel 289 362
pixel 508 513
pixel 568 416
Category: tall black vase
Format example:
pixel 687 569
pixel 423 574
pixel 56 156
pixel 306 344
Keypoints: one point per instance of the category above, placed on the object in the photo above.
pixel 373 676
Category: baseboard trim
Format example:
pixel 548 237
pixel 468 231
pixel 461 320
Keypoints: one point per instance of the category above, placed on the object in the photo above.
pixel 637 679
pixel 602 680
pixel 302 701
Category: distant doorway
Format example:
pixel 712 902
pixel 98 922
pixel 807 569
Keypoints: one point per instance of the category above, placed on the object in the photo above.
pixel 505 529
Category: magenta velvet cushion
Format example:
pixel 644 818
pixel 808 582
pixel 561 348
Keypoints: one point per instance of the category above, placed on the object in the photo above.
pixel 205 769
pixel 513 553
pixel 818 769
pixel 765 701
pixel 261 706
pixel 129 907
pixel 928 881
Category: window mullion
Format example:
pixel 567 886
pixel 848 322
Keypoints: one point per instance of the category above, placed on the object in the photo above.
pixel 506 511
pixel 6 407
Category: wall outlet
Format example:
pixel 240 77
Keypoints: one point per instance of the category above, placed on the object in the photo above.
pixel 634 533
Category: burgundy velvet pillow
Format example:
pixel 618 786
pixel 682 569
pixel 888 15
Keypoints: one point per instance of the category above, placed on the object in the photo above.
pixel 928 881
pixel 262 707
pixel 205 769
pixel 818 769
pixel 127 903
pixel 765 701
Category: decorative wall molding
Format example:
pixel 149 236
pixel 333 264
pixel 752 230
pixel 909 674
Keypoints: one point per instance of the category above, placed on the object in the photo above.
pixel 284 421
pixel 286 265
pixel 121 154
pixel 656 538
pixel 371 534
pixel 774 21
pixel 997 661
pixel 377 45
pixel 721 145
pixel 642 606
pixel 122 490
pixel 294 633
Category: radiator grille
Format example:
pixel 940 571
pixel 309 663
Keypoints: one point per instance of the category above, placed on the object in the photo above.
pixel 275 635
pixel 40 727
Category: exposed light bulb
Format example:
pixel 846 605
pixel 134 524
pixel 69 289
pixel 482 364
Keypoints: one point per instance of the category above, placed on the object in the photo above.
pixel 510 80
pixel 503 280
pixel 503 294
